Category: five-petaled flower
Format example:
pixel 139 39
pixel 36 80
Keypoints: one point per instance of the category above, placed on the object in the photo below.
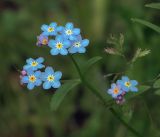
pixel 59 45
pixel 49 30
pixel 34 64
pixel 70 32
pixel 127 84
pixel 79 45
pixel 51 78
pixel 42 40
pixel 32 79
pixel 115 90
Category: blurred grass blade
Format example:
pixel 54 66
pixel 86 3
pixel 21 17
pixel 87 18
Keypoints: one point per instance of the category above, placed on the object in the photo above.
pixel 61 93
pixel 157 84
pixel 153 5
pixel 90 62
pixel 146 23
pixel 157 92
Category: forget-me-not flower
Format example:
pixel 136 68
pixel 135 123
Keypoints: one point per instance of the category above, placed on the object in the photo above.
pixel 70 32
pixel 32 79
pixel 34 64
pixel 59 45
pixel 127 84
pixel 42 40
pixel 51 78
pixel 115 90
pixel 79 45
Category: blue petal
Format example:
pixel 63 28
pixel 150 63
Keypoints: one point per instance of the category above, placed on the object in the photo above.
pixel 59 38
pixel 49 70
pixel 81 50
pixel 76 31
pixel 52 43
pixel 72 37
pixel 120 82
pixel 46 85
pixel 73 50
pixel 25 79
pixel 38 82
pixel 63 51
pixel 45 33
pixel 44 27
pixel 38 73
pixel 56 84
pixel 53 24
pixel 66 43
pixel 30 86
pixel 125 78
pixel 134 89
pixel 40 60
pixel 113 85
pixel 30 72
pixel 110 91
pixel 85 42
pixel 44 76
pixel 69 25
pixel 58 75
pixel 40 66
pixel 60 29
pixel 134 82
pixel 53 33
pixel 26 67
pixel 124 88
pixel 30 60
pixel 54 51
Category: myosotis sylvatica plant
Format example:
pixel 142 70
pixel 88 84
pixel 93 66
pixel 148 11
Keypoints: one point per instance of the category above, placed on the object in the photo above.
pixel 67 40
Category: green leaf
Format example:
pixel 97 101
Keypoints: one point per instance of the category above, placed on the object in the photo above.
pixel 61 93
pixel 157 92
pixel 90 62
pixel 146 23
pixel 157 84
pixel 153 5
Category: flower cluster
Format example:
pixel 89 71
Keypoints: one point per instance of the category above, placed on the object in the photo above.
pixel 62 40
pixel 32 76
pixel 121 87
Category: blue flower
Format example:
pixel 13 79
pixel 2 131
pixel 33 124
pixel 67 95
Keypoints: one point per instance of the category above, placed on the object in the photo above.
pixel 34 64
pixel 49 30
pixel 70 32
pixel 42 40
pixel 59 45
pixel 79 45
pixel 51 78
pixel 115 90
pixel 127 84
pixel 32 79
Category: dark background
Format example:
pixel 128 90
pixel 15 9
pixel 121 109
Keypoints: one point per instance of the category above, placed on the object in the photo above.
pixel 26 113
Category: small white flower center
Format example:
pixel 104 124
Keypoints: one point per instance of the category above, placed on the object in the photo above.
pixel 69 32
pixel 77 44
pixel 32 78
pixel 59 45
pixel 50 78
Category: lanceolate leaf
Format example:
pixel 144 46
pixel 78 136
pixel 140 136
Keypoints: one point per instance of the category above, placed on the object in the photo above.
pixel 148 24
pixel 153 5
pixel 90 62
pixel 62 92
pixel 157 84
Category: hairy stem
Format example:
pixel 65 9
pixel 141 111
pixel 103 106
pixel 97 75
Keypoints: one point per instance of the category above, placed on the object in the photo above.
pixel 100 96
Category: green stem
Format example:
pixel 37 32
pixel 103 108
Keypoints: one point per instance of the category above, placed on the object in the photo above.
pixel 97 93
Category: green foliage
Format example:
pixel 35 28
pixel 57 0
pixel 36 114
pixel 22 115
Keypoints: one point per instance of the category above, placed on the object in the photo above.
pixel 157 84
pixel 157 92
pixel 153 5
pixel 62 92
pixel 148 24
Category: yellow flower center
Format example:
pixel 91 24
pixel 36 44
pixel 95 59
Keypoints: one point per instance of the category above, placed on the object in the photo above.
pixel 69 32
pixel 50 29
pixel 50 78
pixel 34 63
pixel 32 78
pixel 127 84
pixel 116 91
pixel 44 41
pixel 77 44
pixel 59 45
